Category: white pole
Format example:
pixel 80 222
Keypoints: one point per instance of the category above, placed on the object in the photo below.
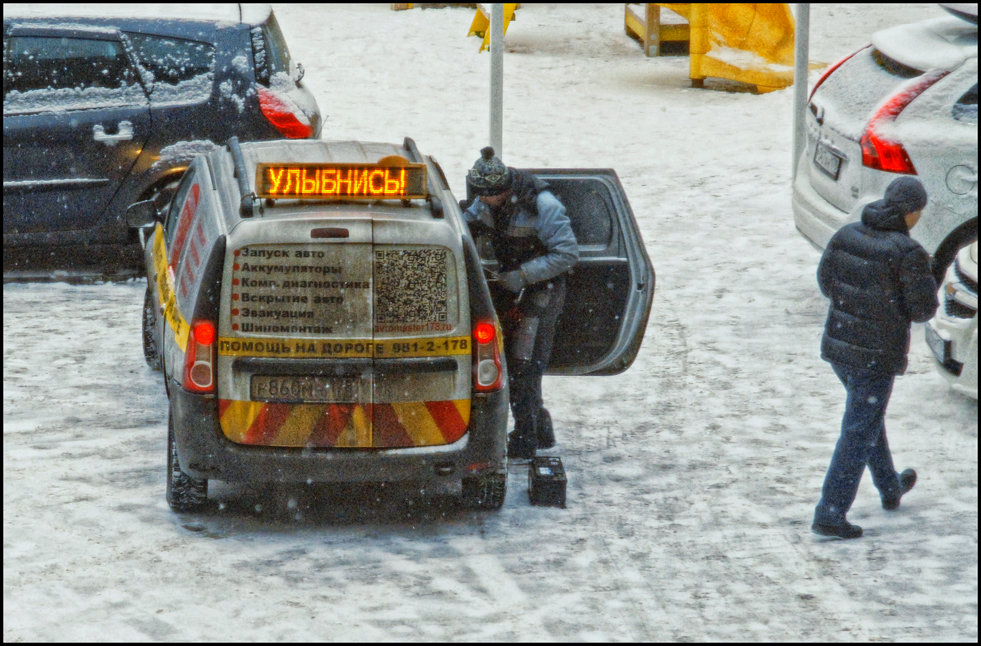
pixel 800 81
pixel 497 78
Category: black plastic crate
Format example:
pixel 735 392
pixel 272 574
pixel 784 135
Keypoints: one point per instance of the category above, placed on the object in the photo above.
pixel 546 481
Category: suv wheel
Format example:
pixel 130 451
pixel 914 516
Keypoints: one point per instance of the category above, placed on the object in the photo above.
pixel 486 492
pixel 184 493
pixel 150 351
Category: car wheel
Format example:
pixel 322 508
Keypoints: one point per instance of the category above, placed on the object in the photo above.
pixel 151 353
pixel 184 493
pixel 949 248
pixel 485 492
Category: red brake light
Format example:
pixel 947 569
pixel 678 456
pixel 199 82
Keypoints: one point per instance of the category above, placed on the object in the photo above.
pixel 830 70
pixel 484 332
pixel 283 113
pixel 879 150
pixel 204 333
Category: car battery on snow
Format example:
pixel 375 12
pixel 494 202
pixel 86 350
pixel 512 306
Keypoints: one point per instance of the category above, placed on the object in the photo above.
pixel 546 481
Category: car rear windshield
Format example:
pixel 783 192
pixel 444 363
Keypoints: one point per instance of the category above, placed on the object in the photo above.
pixel 269 51
pixel 893 66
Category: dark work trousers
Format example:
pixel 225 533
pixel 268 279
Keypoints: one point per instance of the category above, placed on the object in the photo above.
pixel 862 442
pixel 529 331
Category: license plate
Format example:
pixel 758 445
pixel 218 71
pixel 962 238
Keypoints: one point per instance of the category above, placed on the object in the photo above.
pixel 827 160
pixel 938 346
pixel 306 389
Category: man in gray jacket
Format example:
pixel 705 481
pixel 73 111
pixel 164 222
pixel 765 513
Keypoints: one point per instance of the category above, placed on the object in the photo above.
pixel 535 247
pixel 879 281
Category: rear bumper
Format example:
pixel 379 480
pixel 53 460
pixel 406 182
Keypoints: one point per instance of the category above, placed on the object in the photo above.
pixel 815 218
pixel 204 452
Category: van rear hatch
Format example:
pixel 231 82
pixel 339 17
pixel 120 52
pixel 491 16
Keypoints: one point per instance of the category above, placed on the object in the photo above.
pixel 351 331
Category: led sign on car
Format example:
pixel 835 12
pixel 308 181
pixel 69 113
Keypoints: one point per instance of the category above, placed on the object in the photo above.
pixel 381 181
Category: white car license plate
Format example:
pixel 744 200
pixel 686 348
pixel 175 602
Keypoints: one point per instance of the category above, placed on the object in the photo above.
pixel 305 388
pixel 827 160
pixel 938 346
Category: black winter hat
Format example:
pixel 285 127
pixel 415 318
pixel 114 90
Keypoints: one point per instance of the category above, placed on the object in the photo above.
pixel 905 195
pixel 489 175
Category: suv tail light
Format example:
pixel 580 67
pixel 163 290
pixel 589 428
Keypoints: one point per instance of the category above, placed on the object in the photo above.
pixel 283 113
pixel 487 373
pixel 828 72
pixel 879 150
pixel 199 359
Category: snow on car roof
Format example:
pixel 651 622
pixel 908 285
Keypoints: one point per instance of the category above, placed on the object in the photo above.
pixel 251 14
pixel 941 42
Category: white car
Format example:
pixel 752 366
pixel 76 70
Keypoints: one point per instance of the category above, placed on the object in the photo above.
pixel 953 333
pixel 907 104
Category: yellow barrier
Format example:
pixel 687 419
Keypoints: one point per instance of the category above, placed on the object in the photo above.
pixel 750 43
pixel 480 27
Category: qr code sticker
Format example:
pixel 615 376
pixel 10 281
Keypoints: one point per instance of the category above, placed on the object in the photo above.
pixel 410 286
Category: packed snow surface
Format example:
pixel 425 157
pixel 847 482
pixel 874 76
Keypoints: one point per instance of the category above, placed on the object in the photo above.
pixel 692 476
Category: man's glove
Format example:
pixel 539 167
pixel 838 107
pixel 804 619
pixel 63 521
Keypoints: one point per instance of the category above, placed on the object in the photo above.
pixel 513 281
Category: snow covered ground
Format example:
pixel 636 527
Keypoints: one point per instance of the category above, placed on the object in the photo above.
pixel 692 476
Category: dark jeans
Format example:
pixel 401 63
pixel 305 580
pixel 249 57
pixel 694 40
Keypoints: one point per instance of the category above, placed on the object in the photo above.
pixel 862 442
pixel 529 332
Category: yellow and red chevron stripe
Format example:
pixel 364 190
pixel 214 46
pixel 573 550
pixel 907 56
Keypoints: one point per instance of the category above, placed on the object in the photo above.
pixel 394 425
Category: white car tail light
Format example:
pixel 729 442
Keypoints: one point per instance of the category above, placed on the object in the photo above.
pixel 879 150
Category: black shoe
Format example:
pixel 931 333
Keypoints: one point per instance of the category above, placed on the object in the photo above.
pixel 906 481
pixel 844 530
pixel 520 447
pixel 546 435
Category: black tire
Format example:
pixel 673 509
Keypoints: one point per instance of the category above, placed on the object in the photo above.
pixel 486 492
pixel 184 493
pixel 151 353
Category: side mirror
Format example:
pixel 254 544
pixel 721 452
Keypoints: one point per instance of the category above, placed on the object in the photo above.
pixel 142 214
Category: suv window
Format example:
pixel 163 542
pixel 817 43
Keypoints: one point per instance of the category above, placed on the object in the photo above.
pixel 175 68
pixel 55 63
pixel 269 51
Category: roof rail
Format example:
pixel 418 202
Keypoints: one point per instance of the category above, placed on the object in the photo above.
pixel 246 207
pixel 435 204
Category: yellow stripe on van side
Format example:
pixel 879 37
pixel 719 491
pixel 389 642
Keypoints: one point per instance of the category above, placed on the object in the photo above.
pixel 165 290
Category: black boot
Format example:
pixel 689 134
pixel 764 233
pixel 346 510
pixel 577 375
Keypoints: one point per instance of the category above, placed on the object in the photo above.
pixel 906 481
pixel 521 446
pixel 842 530
pixel 546 435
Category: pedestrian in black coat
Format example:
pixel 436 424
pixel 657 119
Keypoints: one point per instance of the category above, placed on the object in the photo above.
pixel 879 281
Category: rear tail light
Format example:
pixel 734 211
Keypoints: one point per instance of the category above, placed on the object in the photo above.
pixel 879 149
pixel 488 374
pixel 199 359
pixel 283 113
pixel 831 70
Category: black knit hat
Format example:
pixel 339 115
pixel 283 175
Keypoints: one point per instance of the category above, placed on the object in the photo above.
pixel 489 175
pixel 906 195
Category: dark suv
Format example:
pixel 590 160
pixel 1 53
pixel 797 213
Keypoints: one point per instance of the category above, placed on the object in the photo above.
pixel 101 111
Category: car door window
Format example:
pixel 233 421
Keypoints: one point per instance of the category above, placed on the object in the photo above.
pixel 45 72
pixel 175 69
